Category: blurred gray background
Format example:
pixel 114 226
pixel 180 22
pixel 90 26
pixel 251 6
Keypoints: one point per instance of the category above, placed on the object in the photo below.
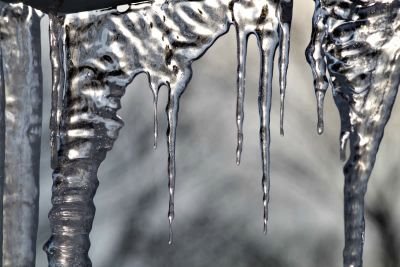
pixel 218 204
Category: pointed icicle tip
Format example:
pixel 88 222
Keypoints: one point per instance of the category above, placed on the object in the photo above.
pixel 283 69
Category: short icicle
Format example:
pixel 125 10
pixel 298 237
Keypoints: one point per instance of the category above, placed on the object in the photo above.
pixel 316 58
pixel 155 104
pixel 242 39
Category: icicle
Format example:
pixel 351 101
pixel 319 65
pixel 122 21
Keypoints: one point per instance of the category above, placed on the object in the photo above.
pixel 285 14
pixel 155 104
pixel 172 114
pixel 56 35
pixel 175 92
pixel 241 81
pixel 315 57
pixel 270 22
pixel 365 77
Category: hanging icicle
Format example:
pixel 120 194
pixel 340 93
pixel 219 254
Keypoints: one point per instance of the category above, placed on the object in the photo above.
pixel 358 42
pixel 21 106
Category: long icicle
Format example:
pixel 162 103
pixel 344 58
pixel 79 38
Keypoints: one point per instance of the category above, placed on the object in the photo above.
pixel 267 51
pixel 2 137
pixel 242 39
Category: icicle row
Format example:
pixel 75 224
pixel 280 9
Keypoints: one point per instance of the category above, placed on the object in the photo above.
pixel 242 39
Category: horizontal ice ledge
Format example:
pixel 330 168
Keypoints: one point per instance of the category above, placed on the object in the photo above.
pixel 72 6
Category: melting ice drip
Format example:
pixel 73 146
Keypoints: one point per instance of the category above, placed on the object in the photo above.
pixel 95 55
pixel 358 42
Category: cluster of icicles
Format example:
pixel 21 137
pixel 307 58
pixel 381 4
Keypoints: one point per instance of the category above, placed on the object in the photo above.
pixel 95 55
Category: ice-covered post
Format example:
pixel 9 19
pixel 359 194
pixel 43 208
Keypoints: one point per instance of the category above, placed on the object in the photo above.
pixel 22 84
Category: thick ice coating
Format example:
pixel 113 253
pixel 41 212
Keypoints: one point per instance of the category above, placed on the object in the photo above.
pixel 358 43
pixel 103 51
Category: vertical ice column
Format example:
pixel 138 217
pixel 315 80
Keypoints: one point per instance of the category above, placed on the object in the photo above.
pixel 88 125
pixel 21 71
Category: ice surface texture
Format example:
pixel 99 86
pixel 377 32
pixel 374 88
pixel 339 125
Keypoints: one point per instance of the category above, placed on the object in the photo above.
pixel 358 44
pixel 21 106
pixel 95 55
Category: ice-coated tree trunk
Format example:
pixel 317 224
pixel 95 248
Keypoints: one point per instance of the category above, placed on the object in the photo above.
pixel 22 88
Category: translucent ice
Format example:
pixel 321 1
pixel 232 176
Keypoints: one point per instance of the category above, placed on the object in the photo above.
pixel 21 117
